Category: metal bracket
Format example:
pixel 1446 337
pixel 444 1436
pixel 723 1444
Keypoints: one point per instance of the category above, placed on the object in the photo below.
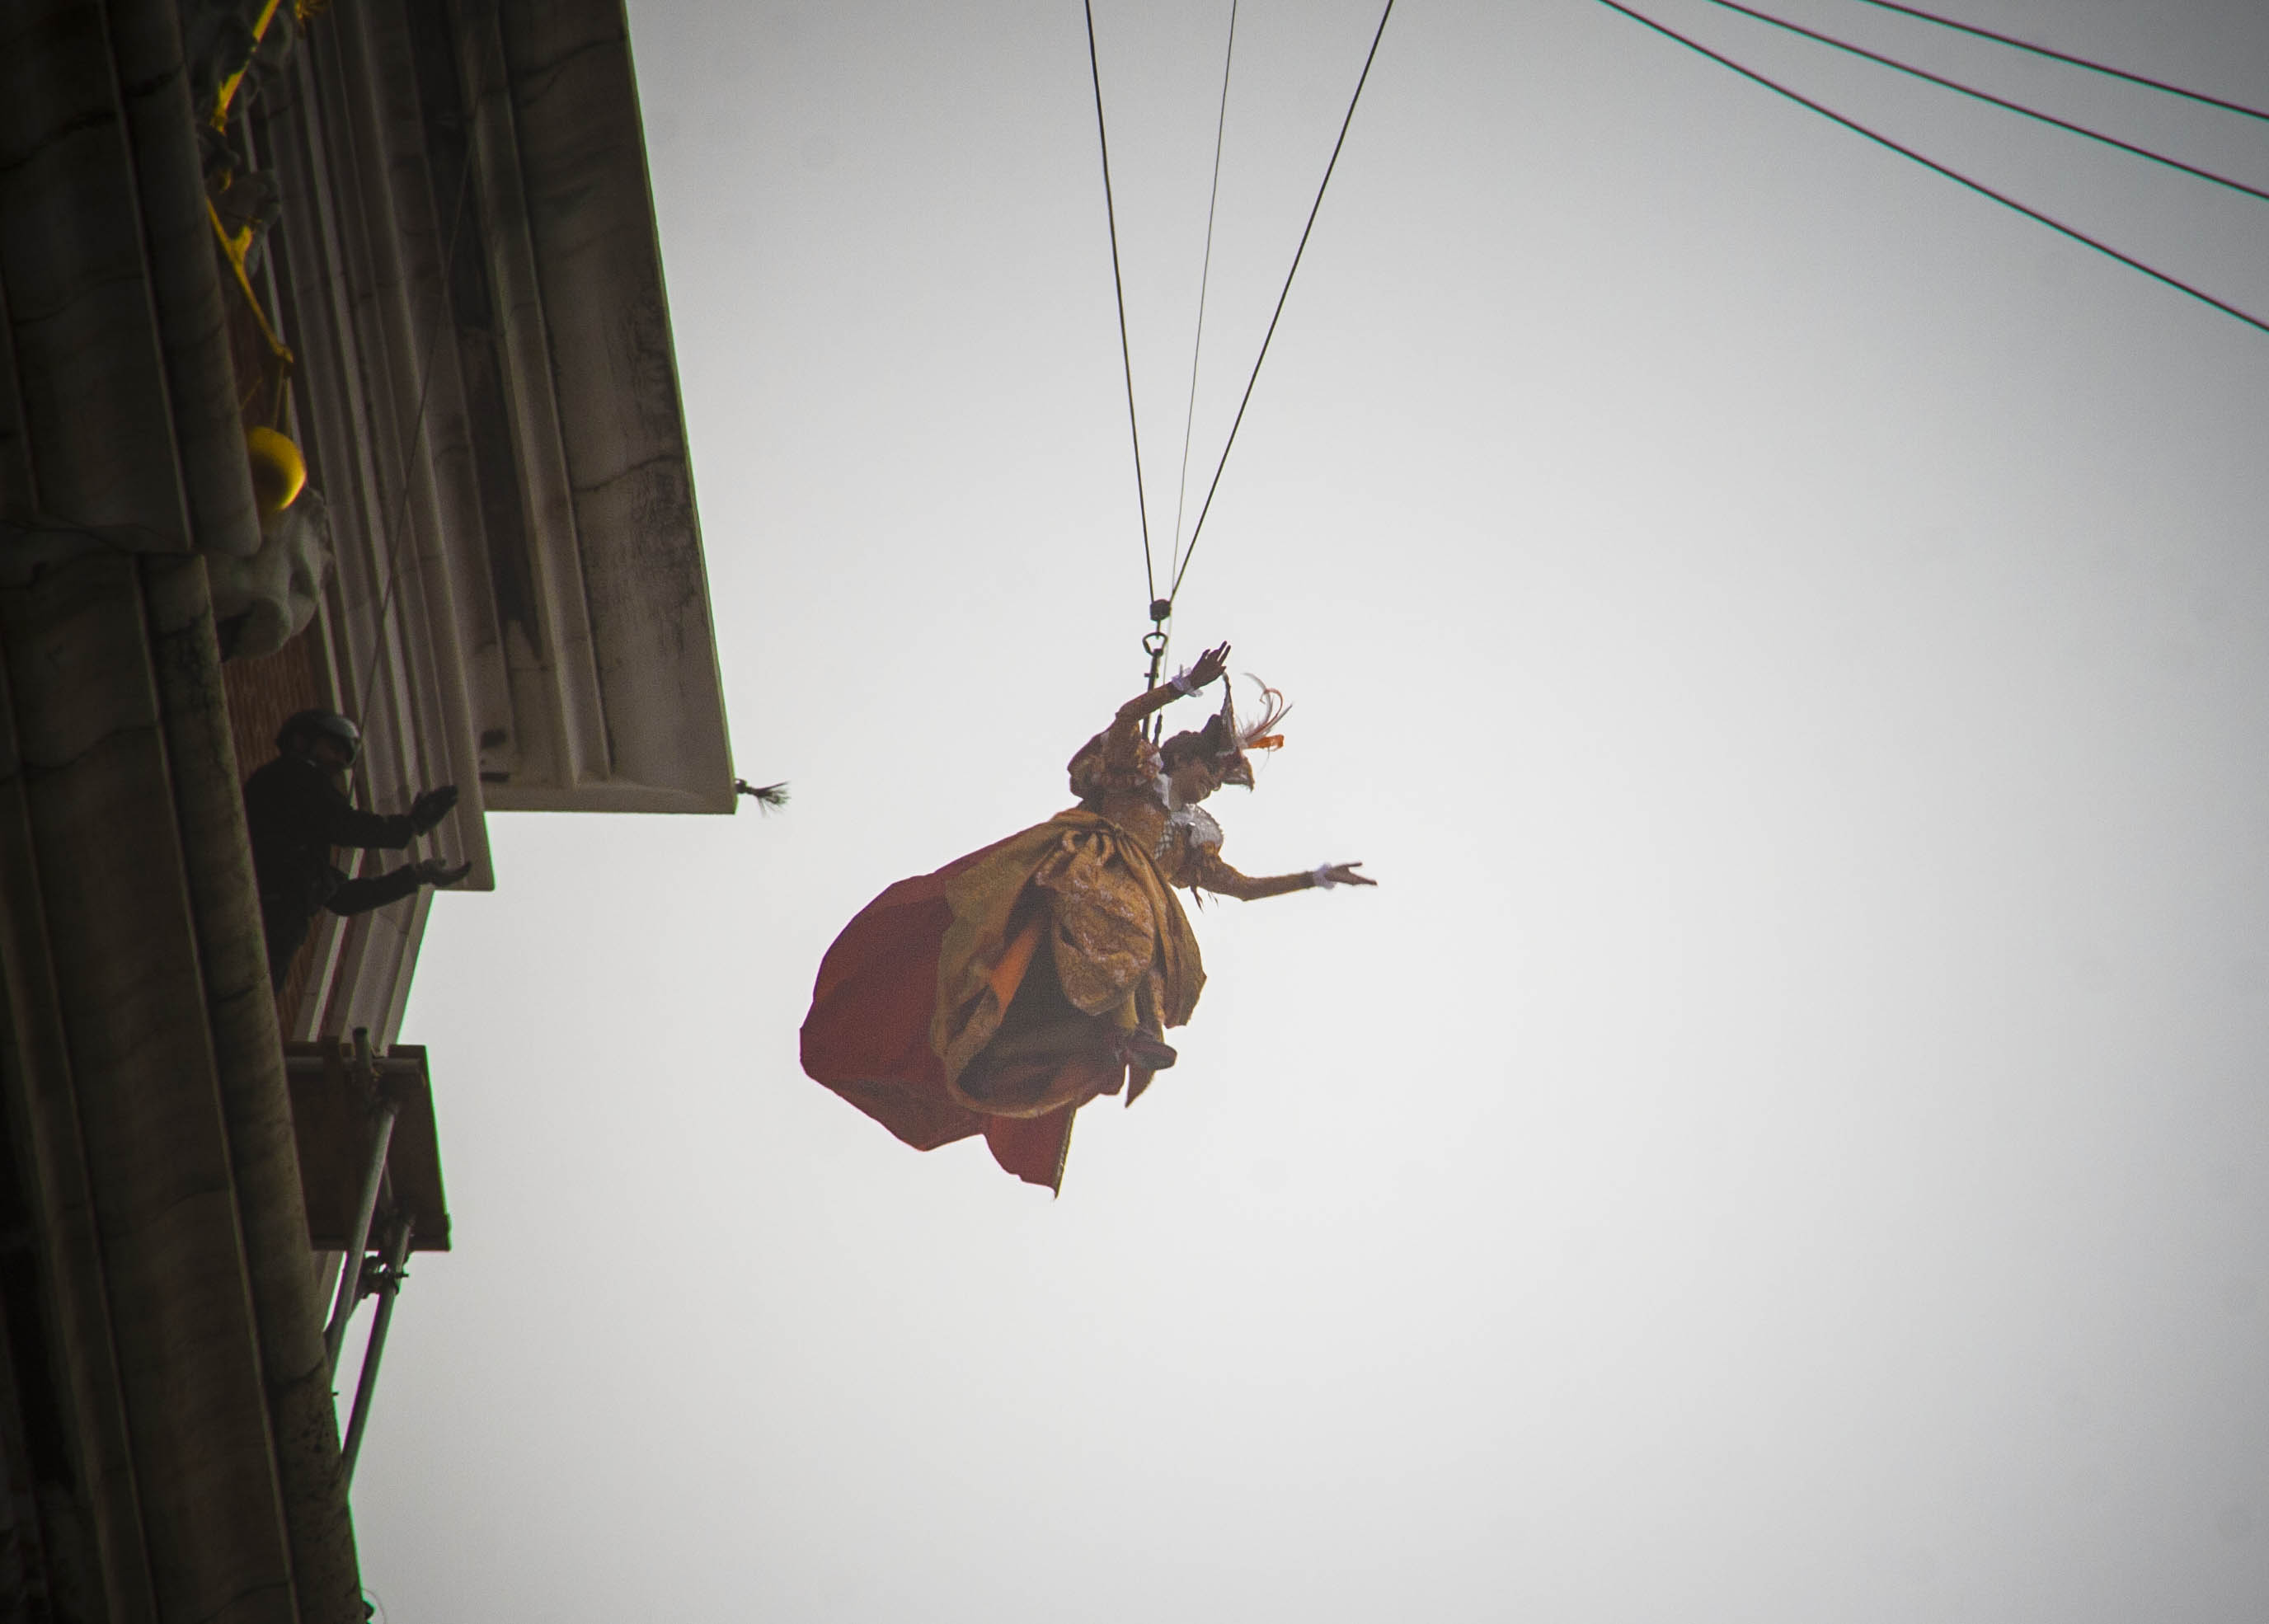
pixel 1154 643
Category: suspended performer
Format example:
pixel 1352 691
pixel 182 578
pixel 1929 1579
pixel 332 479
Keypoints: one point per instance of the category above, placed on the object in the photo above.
pixel 1001 994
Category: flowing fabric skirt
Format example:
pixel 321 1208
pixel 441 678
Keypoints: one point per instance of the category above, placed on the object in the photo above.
pixel 980 999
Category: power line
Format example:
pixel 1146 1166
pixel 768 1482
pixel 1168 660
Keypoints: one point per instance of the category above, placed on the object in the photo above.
pixel 2070 61
pixel 1199 528
pixel 1205 278
pixel 1953 175
pixel 1119 282
pixel 2019 109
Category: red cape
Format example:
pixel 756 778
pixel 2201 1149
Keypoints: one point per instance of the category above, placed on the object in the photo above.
pixel 867 1035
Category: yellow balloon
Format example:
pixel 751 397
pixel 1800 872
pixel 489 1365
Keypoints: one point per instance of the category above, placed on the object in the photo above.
pixel 278 471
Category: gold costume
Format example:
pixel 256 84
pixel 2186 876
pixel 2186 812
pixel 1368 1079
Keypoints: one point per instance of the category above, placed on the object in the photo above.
pixel 1009 988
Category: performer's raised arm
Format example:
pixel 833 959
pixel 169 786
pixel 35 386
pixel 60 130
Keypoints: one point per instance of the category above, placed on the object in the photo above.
pixel 1209 667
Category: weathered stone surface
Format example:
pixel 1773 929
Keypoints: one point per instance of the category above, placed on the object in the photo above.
pixel 129 986
pixel 255 1101
pixel 185 277
pixel 91 1516
pixel 89 363
pixel 583 217
pixel 272 595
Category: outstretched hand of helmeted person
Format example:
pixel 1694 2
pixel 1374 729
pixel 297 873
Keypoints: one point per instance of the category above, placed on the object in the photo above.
pixel 439 870
pixel 432 807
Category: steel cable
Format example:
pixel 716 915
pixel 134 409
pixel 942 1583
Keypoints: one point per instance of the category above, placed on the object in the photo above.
pixel 1355 100
pixel 1951 173
pixel 2017 107
pixel 1119 282
pixel 1205 278
pixel 2014 43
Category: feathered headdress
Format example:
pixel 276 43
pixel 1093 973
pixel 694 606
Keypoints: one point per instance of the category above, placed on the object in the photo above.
pixel 1263 734
pixel 1223 742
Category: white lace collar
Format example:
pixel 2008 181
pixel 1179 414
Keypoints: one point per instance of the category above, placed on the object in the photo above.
pixel 1196 820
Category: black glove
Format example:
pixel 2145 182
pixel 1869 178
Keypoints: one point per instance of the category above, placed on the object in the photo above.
pixel 431 807
pixel 437 871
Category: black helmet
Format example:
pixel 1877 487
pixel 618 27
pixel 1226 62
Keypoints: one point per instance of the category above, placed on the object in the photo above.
pixel 300 729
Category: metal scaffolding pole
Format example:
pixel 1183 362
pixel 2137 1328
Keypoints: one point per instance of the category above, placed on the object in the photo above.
pixel 386 1286
pixel 385 1108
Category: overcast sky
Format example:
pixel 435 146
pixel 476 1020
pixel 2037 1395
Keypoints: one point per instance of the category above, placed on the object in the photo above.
pixel 1788 1139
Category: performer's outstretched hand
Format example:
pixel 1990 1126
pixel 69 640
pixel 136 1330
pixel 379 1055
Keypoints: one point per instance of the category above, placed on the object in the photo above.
pixel 1209 666
pixel 1344 874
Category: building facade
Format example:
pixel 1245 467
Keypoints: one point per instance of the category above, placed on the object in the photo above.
pixel 415 240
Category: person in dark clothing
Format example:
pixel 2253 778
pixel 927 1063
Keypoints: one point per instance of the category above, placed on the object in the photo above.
pixel 298 813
